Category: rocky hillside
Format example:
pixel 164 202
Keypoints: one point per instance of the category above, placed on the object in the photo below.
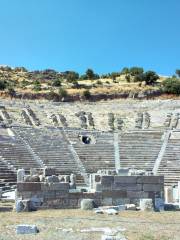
pixel 69 86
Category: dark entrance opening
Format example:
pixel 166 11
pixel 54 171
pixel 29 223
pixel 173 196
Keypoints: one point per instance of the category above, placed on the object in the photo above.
pixel 86 139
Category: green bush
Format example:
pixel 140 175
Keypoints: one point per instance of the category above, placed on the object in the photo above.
pixel 136 71
pixel 37 86
pixel 171 85
pixel 149 77
pixel 63 93
pixel 87 94
pixel 56 83
pixel 99 82
pixel 72 76
pixel 3 84
pixel 11 92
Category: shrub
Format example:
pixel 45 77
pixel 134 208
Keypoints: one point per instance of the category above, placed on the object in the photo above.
pixel 148 77
pixel 99 82
pixel 3 84
pixel 11 92
pixel 56 83
pixel 89 75
pixel 128 78
pixel 72 76
pixel 37 86
pixel 178 72
pixel 125 70
pixel 24 83
pixel 136 71
pixel 87 94
pixel 63 93
pixel 171 85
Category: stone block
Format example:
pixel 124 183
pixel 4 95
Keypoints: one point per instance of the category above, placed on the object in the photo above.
pixel 159 204
pixel 115 194
pixel 59 186
pixel 106 201
pixel 137 194
pixel 152 195
pixel 127 186
pixel 150 179
pixel 107 179
pixel 28 186
pixel 153 187
pixel 123 171
pixel 121 201
pixel 98 187
pixel 131 207
pixel 52 179
pixel 61 193
pixel 26 194
pixel 146 204
pixel 19 206
pixel 49 171
pixel 73 203
pixel 125 179
pixel 87 204
pixel 26 229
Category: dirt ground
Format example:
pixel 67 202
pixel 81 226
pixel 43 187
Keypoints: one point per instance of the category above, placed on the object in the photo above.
pixel 66 224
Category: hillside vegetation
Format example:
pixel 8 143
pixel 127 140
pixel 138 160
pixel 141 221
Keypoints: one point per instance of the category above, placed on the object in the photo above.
pixel 50 84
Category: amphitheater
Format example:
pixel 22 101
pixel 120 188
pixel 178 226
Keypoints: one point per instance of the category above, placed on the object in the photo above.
pixel 83 138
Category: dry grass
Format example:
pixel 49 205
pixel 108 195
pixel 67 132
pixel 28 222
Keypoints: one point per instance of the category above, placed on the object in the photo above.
pixel 139 225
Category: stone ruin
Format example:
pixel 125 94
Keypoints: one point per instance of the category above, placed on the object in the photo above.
pixel 45 189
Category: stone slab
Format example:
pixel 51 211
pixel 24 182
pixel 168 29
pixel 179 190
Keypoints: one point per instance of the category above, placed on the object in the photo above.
pixel 26 229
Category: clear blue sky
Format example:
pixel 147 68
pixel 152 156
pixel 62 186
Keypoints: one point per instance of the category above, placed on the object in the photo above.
pixel 104 35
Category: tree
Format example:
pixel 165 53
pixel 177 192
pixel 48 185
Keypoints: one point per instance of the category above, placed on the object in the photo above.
pixel 90 74
pixel 72 76
pixel 125 70
pixel 178 72
pixel 171 85
pixel 3 84
pixel 149 77
pixel 87 94
pixel 136 71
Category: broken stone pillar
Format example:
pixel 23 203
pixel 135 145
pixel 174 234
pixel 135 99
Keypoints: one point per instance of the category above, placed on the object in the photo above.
pixel 72 181
pixel 147 120
pixel 168 193
pixel 20 175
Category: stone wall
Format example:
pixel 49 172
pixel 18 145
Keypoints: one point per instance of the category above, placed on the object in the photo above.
pixel 54 195
pixel 105 190
pixel 127 189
